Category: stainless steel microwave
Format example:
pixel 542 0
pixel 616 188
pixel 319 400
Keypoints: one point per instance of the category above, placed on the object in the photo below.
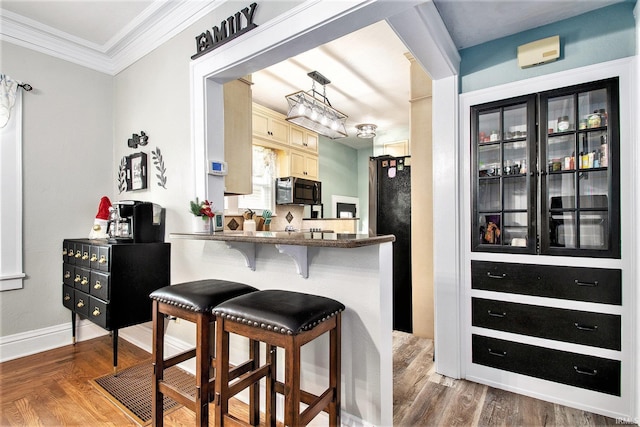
pixel 298 191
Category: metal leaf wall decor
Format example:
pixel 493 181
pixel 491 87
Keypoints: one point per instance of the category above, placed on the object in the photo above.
pixel 159 162
pixel 122 175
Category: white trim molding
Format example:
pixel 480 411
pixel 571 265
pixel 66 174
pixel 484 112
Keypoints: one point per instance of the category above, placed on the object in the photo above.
pixel 154 26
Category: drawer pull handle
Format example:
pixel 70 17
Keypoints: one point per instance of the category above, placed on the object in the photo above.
pixel 64 252
pixel 586 371
pixel 94 258
pixel 99 286
pixel 496 314
pixel 67 297
pixel 78 254
pixel 80 304
pixel 496 276
pixel 85 256
pixel 96 312
pixel 84 281
pixel 103 259
pixel 589 284
pixel 70 252
pixel 497 353
pixel 586 327
pixel 67 274
pixel 77 279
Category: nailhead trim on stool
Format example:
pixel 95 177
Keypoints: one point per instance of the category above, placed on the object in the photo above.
pixel 193 301
pixel 280 319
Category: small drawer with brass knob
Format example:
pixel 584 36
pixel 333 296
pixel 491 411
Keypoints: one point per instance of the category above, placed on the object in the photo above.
pixel 67 296
pixel 68 274
pixel 99 286
pixel 81 278
pixel 99 313
pixel 81 303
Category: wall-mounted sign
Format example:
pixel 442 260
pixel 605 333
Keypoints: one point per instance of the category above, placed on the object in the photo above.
pixel 232 27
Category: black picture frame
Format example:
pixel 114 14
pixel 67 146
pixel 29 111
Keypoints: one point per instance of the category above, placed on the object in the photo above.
pixel 136 172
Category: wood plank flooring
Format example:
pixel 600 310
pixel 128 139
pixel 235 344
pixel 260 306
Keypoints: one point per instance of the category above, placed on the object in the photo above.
pixel 52 389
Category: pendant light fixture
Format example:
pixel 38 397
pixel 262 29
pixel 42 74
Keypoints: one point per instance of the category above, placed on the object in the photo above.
pixel 366 130
pixel 312 110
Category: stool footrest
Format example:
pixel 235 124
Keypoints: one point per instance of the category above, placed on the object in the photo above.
pixel 321 404
pixel 179 358
pixel 248 379
pixel 305 397
pixel 241 369
pixel 177 395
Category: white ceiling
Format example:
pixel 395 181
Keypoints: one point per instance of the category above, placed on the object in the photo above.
pixel 368 70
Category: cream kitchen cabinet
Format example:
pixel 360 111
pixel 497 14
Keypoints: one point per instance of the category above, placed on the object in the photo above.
pixel 237 136
pixel 303 139
pixel 303 165
pixel 269 125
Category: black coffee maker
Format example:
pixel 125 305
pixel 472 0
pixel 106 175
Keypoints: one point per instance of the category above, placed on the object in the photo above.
pixel 132 221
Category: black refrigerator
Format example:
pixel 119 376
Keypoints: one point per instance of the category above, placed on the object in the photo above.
pixel 390 213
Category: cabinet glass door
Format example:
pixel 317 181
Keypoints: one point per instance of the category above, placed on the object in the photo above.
pixel 580 180
pixel 504 214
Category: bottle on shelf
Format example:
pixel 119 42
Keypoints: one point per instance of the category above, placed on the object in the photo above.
pixel 604 158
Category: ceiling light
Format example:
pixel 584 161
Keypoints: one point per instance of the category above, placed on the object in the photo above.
pixel 312 110
pixel 366 130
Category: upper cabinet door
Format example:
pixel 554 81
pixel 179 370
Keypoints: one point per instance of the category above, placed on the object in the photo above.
pixel 503 158
pixel 580 182
pixel 545 173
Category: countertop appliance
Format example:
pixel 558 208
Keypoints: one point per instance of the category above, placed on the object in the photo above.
pixel 298 191
pixel 390 213
pixel 132 221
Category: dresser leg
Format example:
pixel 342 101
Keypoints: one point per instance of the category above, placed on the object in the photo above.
pixel 114 335
pixel 73 327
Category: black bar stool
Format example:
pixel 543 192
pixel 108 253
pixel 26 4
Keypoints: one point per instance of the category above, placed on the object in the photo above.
pixel 193 301
pixel 279 319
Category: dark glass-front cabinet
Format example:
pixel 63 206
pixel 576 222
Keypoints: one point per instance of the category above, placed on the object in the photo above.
pixel 545 175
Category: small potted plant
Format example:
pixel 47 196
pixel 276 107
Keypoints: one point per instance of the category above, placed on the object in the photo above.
pixel 203 213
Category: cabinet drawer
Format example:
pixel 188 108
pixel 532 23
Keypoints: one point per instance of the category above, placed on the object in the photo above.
pixel 579 327
pixel 81 278
pixel 68 254
pixel 68 274
pixel 572 283
pixel 99 313
pixel 99 286
pixel 579 370
pixel 81 303
pixel 67 297
pixel 104 258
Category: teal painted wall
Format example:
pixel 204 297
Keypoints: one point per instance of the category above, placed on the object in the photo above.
pixel 601 35
pixel 338 171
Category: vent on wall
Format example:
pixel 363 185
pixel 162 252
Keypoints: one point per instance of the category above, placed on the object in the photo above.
pixel 539 52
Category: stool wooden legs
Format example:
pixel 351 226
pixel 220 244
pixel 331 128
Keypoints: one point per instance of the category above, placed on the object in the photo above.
pixel 335 371
pixel 205 328
pixel 328 401
pixel 158 372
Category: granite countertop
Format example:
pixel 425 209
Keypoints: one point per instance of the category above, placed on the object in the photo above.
pixel 297 238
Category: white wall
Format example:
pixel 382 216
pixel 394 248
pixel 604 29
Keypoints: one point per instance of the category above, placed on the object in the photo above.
pixel 67 167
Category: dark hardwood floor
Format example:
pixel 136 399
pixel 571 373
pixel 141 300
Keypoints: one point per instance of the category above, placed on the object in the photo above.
pixel 52 389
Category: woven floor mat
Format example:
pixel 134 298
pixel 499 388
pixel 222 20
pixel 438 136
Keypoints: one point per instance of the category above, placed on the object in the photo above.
pixel 131 390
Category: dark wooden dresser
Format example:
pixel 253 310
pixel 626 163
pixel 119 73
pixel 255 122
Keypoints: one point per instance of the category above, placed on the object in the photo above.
pixel 109 284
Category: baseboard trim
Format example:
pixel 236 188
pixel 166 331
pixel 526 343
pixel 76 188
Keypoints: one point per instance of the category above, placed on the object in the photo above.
pixel 39 340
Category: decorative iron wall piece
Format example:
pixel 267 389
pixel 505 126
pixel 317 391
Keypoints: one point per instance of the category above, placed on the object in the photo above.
pixel 234 26
pixel 136 140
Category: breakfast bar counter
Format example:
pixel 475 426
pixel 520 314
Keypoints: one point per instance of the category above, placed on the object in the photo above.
pixel 355 269
pixel 298 238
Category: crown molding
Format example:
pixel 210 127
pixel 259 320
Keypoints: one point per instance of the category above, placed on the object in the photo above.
pixel 154 26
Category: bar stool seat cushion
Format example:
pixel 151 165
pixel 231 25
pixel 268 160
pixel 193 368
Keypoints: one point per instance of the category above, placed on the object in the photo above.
pixel 286 312
pixel 201 295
